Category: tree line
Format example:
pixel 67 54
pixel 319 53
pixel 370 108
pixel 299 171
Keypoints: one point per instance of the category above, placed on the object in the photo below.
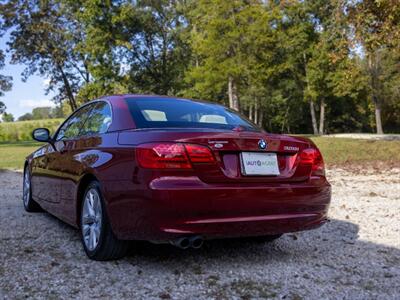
pixel 294 66
pixel 38 113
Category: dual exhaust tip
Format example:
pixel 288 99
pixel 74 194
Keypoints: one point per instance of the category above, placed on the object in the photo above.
pixel 194 242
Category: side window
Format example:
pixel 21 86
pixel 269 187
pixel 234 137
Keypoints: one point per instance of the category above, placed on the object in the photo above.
pixel 71 128
pixel 99 120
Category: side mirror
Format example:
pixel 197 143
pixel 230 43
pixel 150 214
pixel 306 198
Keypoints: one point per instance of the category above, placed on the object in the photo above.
pixel 41 135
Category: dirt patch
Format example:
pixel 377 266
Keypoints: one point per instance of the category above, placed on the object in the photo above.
pixel 355 256
pixel 366 136
pixel 367 167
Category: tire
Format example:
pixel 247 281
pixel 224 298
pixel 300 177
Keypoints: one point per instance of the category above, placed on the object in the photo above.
pixel 98 239
pixel 30 205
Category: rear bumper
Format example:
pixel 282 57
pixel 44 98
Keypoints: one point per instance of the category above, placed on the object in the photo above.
pixel 170 207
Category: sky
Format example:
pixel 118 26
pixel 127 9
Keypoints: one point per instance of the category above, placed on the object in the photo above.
pixel 24 96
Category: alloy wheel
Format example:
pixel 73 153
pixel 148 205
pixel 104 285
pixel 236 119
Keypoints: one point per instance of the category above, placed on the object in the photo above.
pixel 91 219
pixel 26 188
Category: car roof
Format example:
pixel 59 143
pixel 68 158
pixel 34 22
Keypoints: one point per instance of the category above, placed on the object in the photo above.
pixel 151 96
pixel 122 118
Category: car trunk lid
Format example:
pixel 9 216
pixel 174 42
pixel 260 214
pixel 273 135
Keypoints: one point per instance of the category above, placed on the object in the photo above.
pixel 227 147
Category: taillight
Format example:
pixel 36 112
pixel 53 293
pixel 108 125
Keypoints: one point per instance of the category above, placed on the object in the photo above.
pixel 162 156
pixel 199 154
pixel 172 155
pixel 313 157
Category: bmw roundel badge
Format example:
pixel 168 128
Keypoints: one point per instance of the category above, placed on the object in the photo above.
pixel 262 144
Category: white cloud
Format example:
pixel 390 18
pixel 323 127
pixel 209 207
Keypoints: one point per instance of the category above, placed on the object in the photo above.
pixel 35 103
pixel 46 82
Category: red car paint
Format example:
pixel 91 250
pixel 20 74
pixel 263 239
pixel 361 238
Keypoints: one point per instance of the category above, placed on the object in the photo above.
pixel 211 198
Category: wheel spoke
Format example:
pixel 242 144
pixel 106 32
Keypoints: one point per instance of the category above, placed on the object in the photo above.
pixel 92 238
pixel 87 219
pixel 96 205
pixel 86 230
pixel 90 204
pixel 96 230
pixel 26 188
pixel 91 219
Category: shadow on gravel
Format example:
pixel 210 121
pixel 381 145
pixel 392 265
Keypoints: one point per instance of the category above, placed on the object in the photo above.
pixel 309 264
pixel 337 239
pixel 331 259
pixel 335 245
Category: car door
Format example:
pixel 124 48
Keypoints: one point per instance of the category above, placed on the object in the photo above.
pixel 82 155
pixel 40 177
pixel 58 160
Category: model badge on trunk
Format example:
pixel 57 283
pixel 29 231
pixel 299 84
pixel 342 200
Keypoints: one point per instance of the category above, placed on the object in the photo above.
pixel 290 148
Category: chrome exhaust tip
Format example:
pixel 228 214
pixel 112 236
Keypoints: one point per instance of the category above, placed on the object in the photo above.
pixel 183 243
pixel 196 242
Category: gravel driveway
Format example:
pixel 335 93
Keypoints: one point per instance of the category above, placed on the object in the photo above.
pixel 355 256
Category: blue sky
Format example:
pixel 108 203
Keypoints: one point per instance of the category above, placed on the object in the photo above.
pixel 24 95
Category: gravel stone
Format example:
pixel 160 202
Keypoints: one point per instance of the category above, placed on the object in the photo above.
pixel 355 256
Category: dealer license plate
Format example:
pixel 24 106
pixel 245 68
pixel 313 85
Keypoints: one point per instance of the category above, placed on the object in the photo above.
pixel 256 163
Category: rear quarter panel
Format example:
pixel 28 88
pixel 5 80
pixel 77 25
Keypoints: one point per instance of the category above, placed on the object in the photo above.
pixel 98 156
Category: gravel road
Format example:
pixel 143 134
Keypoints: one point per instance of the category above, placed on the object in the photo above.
pixel 355 256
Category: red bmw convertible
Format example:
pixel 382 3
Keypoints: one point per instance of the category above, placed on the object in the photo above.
pixel 161 169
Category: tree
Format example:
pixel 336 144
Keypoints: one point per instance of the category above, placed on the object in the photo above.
pixel 5 81
pixel 388 89
pixel 44 38
pixel 26 117
pixel 2 107
pixel 57 112
pixel 377 27
pixel 7 117
pixel 40 113
pixel 298 39
pixel 154 46
pixel 98 45
pixel 219 37
pixel 132 46
pixel 316 63
pixel 330 67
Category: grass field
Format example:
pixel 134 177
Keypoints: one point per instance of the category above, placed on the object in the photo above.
pixel 21 130
pixel 336 151
pixel 12 155
pixel 343 151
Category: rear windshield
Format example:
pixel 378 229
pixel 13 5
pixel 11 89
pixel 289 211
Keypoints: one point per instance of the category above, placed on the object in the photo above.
pixel 181 113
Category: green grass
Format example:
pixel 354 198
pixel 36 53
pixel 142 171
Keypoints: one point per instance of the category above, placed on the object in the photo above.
pixel 12 155
pixel 342 151
pixel 22 130
pixel 336 151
